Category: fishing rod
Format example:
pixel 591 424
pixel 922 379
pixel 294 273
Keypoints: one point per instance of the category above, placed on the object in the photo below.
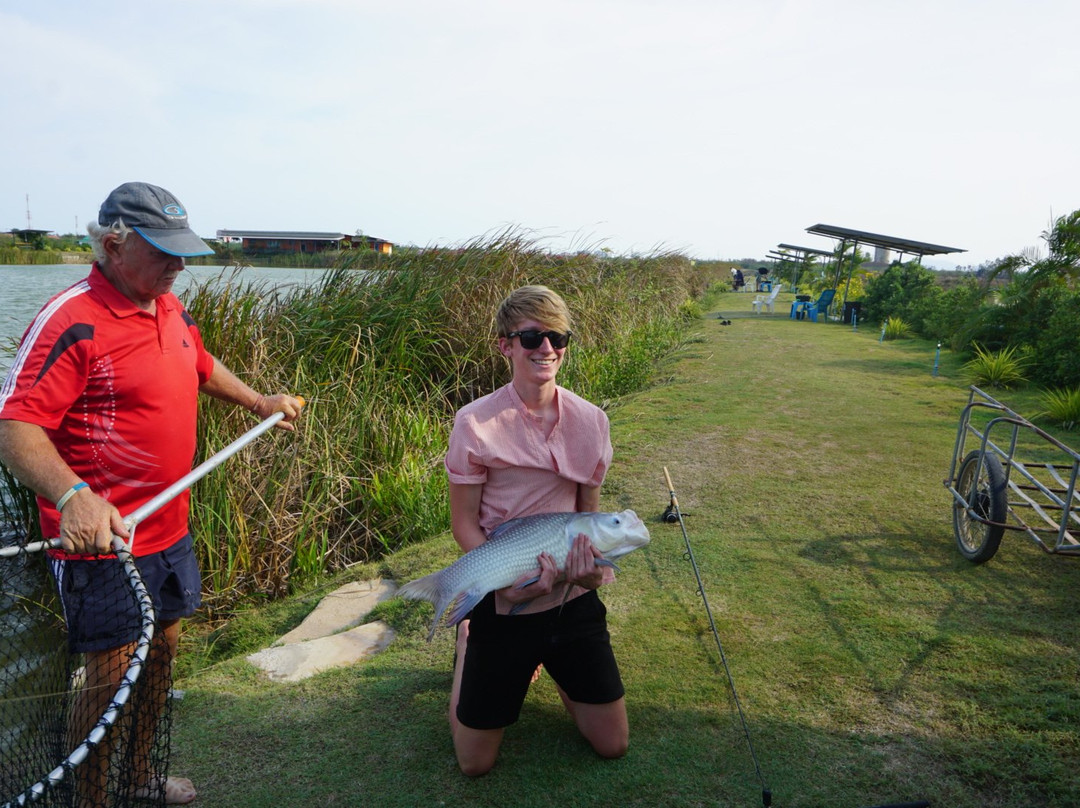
pixel 673 514
pixel 673 508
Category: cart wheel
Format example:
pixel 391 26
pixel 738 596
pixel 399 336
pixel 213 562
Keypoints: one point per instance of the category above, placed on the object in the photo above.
pixel 977 540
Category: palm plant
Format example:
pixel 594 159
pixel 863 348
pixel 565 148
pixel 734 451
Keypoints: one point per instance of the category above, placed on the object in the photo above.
pixel 896 328
pixel 1002 368
pixel 1062 407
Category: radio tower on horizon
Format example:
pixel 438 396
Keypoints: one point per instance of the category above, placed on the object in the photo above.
pixel 28 225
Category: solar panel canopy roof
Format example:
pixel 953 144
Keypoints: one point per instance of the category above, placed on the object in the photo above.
pixel 903 245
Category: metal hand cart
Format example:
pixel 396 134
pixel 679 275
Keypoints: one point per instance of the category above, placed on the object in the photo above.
pixel 1014 477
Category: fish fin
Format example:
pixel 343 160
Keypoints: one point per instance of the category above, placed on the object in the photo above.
pixel 505 527
pixel 464 603
pixel 524 584
pixel 517 607
pixel 562 602
pixel 600 562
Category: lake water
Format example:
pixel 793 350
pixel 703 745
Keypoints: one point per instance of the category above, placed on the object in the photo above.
pixel 24 290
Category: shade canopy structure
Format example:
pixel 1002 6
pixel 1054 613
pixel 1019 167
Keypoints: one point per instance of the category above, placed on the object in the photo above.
pixel 848 235
pixel 900 245
pixel 795 253
pixel 804 250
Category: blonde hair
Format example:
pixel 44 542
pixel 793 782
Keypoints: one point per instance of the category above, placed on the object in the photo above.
pixel 532 303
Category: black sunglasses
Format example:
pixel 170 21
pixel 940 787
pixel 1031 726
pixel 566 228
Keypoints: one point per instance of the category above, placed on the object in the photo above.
pixel 533 339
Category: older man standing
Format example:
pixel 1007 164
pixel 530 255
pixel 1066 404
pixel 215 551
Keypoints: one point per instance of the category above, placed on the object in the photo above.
pixel 97 416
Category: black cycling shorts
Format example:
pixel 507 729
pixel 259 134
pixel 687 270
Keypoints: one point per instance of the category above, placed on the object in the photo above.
pixel 503 651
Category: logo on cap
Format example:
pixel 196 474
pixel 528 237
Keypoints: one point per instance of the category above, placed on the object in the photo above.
pixel 173 210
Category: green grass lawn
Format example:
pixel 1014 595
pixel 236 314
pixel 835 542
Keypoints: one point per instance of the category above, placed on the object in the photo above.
pixel 874 664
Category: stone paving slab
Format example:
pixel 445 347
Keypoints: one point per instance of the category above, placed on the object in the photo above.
pixel 343 608
pixel 299 660
pixel 331 636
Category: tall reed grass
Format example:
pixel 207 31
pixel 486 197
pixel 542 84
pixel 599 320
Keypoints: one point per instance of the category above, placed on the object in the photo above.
pixel 384 354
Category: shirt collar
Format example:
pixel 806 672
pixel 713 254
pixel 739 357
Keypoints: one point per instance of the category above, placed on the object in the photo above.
pixel 112 297
pixel 521 405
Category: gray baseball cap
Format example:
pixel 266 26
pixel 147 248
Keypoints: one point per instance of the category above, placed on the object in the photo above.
pixel 154 214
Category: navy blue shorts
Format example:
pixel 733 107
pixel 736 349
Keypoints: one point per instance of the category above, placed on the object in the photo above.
pixel 100 607
pixel 503 651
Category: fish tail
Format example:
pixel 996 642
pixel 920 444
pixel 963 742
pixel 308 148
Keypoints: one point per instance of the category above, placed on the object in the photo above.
pixel 428 588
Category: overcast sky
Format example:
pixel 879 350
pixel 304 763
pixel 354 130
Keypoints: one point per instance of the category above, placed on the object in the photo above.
pixel 713 127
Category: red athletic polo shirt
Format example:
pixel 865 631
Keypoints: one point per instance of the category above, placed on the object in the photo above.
pixel 115 389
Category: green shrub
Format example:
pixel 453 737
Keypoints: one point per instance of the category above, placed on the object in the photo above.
pixel 896 328
pixel 954 316
pixel 1062 407
pixel 1002 368
pixel 1044 323
pixel 907 291
pixel 1054 344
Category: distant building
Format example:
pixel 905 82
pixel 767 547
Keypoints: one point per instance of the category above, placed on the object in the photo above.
pixel 33 239
pixel 266 242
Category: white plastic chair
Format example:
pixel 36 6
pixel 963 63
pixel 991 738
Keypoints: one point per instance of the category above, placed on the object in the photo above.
pixel 767 302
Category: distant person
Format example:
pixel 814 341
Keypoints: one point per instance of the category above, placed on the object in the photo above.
pixel 97 416
pixel 739 281
pixel 532 447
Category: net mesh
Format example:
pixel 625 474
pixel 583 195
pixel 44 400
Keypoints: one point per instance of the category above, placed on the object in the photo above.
pixel 77 729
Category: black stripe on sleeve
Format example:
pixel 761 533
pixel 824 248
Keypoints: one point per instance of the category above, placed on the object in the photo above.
pixel 74 333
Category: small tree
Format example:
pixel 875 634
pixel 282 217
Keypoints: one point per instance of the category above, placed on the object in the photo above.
pixel 908 291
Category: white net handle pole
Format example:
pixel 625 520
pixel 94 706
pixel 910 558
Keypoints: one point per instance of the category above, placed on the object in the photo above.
pixel 200 471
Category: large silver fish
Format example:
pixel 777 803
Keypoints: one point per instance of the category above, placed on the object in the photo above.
pixel 511 550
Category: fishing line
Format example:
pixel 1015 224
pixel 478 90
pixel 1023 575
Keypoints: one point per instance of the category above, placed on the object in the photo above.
pixel 766 794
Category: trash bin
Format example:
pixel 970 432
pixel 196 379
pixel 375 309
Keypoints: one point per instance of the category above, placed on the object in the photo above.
pixel 850 308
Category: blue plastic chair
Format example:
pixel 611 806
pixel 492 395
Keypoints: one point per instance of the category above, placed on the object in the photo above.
pixel 821 304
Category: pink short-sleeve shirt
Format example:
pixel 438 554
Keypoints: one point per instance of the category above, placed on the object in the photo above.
pixel 498 443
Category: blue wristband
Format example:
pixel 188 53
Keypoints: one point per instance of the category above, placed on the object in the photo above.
pixel 60 503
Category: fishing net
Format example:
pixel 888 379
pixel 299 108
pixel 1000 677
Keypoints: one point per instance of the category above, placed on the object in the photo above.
pixel 77 730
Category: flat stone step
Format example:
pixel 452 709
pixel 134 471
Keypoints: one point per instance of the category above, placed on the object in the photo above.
pixel 332 635
pixel 343 608
pixel 299 660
